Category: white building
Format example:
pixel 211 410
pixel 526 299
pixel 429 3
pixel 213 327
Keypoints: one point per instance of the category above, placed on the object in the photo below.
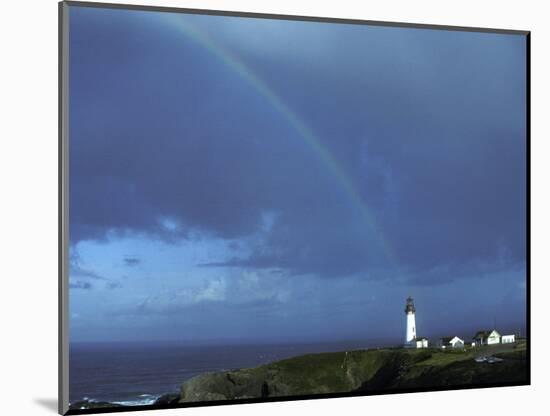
pixel 421 342
pixel 508 339
pixel 486 337
pixel 451 342
pixel 410 333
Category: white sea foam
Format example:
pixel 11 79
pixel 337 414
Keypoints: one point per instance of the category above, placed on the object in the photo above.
pixel 142 400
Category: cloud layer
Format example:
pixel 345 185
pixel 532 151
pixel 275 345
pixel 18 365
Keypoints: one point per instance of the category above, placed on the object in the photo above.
pixel 423 185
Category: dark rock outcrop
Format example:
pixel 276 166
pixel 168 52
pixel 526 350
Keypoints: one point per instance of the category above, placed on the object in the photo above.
pixel 168 399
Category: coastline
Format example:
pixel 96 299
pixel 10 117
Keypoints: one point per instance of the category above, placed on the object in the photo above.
pixel 361 371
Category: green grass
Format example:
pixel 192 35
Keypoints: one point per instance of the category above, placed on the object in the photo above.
pixel 362 370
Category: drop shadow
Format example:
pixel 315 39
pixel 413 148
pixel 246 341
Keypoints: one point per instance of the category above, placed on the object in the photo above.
pixel 48 404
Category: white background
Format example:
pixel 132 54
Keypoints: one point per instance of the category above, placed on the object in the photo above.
pixel 28 208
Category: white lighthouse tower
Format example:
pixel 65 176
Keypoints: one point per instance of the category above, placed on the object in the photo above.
pixel 410 310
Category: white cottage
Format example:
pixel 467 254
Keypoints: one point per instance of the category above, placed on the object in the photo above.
pixel 421 342
pixel 508 339
pixel 451 342
pixel 486 337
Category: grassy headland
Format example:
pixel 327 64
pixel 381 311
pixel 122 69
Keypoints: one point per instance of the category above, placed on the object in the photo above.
pixel 362 371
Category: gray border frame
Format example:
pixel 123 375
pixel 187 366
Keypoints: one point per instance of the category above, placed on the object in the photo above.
pixel 63 195
pixel 63 219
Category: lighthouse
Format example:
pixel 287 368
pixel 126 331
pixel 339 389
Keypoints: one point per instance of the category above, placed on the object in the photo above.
pixel 410 310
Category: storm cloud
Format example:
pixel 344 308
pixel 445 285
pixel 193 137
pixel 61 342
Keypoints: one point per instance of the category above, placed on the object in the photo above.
pixel 397 155
pixel 440 165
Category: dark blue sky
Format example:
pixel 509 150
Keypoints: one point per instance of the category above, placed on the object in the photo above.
pixel 270 180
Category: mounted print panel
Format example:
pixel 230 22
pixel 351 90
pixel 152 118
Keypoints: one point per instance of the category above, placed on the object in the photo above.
pixel 263 208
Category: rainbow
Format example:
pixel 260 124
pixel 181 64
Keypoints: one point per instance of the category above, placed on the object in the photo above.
pixel 305 132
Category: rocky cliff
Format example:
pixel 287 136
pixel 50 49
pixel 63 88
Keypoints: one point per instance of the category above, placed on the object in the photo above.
pixel 360 371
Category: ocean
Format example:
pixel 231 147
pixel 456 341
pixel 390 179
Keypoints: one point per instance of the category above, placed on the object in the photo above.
pixel 138 373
